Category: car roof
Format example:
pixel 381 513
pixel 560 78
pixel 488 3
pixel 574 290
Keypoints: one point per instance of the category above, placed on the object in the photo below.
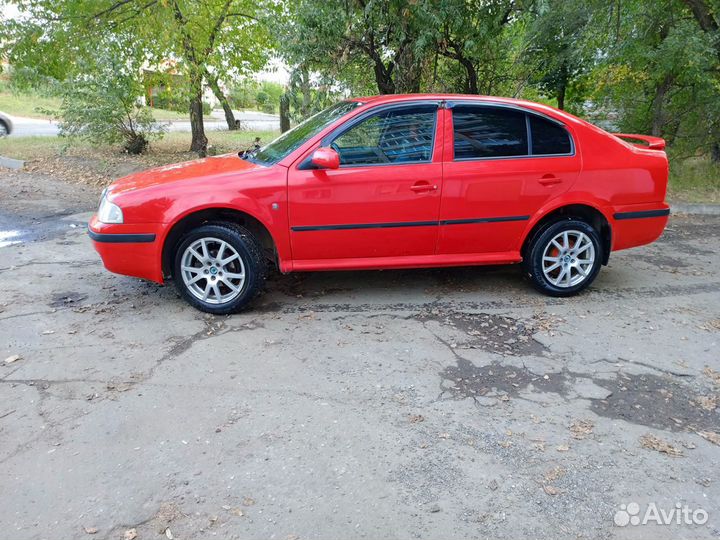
pixel 393 98
pixel 558 114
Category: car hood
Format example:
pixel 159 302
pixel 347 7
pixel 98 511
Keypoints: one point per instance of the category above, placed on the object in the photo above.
pixel 212 167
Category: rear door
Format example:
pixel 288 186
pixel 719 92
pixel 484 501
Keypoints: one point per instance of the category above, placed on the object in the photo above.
pixel 504 164
pixel 383 201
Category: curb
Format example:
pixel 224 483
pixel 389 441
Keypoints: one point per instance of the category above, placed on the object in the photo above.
pixel 11 163
pixel 688 208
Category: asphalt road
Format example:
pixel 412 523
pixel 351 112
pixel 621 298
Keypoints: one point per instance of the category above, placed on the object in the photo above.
pixel 255 121
pixel 452 403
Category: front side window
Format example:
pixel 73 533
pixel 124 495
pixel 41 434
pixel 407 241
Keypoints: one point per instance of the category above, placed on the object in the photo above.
pixel 403 135
pixel 488 132
pixel 548 138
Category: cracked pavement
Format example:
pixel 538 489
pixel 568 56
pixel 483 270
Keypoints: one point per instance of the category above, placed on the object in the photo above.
pixel 454 403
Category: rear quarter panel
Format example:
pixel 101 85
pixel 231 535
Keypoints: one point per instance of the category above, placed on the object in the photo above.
pixel 623 178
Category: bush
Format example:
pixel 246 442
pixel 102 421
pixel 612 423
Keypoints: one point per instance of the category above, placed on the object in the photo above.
pixel 102 106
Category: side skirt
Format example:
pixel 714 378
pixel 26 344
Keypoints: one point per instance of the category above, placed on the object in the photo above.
pixel 418 261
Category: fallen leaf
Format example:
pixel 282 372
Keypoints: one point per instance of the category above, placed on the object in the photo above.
pixel 710 436
pixel 563 448
pixel 90 530
pixel 654 443
pixel 581 428
pixel 415 418
pixel 169 534
pixel 13 358
pixel 130 534
pixel 554 474
pixel 551 490
pixel 712 374
pixel 709 403
pixel 248 501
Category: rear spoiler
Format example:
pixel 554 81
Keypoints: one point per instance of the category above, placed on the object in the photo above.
pixel 653 143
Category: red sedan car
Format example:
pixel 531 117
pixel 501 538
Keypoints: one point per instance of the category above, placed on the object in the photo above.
pixel 392 182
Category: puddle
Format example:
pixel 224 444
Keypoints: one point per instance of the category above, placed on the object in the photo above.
pixel 466 380
pixel 494 333
pixel 9 238
pixel 657 402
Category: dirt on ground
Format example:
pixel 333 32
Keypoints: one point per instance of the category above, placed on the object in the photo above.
pixel 447 403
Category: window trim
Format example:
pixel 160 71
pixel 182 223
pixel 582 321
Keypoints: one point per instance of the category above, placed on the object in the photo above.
pixel 527 112
pixel 340 130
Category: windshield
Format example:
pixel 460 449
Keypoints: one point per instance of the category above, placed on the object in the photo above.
pixel 291 140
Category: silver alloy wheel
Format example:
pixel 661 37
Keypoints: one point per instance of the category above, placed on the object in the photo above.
pixel 568 258
pixel 213 270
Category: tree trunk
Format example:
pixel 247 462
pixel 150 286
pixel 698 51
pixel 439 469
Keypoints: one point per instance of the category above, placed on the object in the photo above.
pixel 561 96
pixel 472 79
pixel 284 113
pixel 384 81
pixel 197 127
pixel 658 106
pixel 306 92
pixel 222 98
pixel 715 152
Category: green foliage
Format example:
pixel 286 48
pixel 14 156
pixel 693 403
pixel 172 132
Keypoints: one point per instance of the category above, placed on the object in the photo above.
pixel 101 106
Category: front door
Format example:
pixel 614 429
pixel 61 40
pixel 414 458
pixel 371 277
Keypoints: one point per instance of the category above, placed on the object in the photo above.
pixel 383 200
pixel 505 164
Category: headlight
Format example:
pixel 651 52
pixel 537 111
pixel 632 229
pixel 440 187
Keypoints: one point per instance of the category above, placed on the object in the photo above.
pixel 109 212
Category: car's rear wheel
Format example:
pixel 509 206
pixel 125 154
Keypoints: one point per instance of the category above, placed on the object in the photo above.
pixel 4 129
pixel 219 268
pixel 564 257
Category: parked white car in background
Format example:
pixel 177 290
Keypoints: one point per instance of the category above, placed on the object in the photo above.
pixel 6 125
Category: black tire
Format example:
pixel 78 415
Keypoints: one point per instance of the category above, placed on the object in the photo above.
pixel 250 252
pixel 533 261
pixel 4 129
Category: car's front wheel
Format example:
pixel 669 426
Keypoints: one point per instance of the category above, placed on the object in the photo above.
pixel 564 257
pixel 4 129
pixel 219 268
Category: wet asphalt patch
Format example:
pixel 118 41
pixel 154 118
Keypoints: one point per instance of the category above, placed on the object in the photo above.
pixel 466 380
pixel 658 402
pixel 654 401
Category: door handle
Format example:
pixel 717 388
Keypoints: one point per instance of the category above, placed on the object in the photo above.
pixel 549 180
pixel 423 187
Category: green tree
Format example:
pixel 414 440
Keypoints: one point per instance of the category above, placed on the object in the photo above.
pixel 205 38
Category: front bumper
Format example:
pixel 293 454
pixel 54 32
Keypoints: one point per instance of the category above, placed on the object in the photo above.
pixel 129 249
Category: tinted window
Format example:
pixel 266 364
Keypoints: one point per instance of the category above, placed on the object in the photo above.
pixel 395 136
pixel 548 137
pixel 489 132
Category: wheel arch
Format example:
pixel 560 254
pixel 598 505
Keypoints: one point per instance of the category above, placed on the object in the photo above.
pixel 199 216
pixel 586 212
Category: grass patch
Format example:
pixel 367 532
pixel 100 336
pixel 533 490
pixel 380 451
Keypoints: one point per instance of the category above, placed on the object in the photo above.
pixel 33 105
pixel 27 105
pixel 695 180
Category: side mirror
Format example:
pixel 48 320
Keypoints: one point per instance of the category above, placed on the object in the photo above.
pixel 325 158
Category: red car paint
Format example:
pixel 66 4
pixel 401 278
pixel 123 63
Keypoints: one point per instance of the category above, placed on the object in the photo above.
pixel 463 212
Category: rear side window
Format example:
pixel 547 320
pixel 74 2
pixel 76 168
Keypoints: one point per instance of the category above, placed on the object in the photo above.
pixel 397 136
pixel 548 138
pixel 487 132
